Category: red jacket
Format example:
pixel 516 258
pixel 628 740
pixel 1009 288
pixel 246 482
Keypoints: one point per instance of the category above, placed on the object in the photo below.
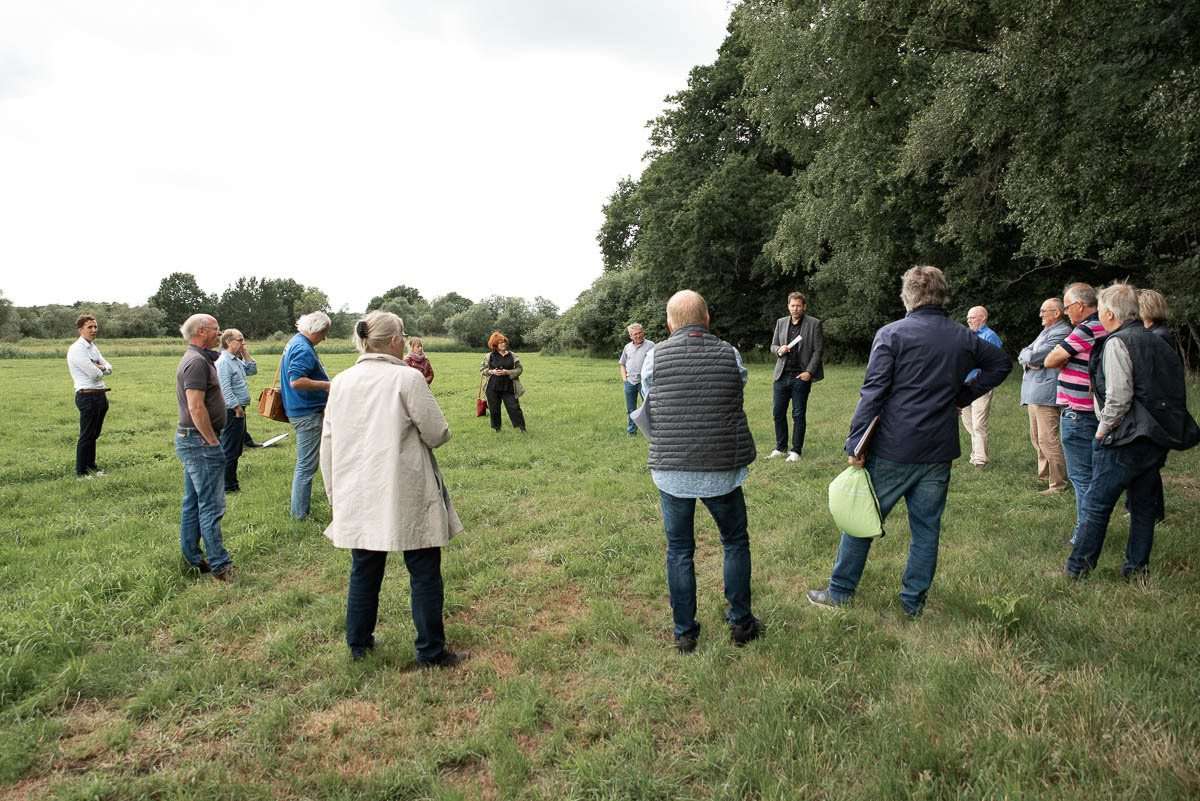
pixel 421 363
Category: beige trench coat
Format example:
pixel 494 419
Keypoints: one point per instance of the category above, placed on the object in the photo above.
pixel 381 426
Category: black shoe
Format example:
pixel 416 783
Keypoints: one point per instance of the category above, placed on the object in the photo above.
pixel 227 575
pixel 740 635
pixel 359 654
pixel 686 644
pixel 232 489
pixel 203 566
pixel 446 659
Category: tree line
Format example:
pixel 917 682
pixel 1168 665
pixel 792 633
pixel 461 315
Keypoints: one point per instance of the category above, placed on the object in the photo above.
pixel 832 144
pixel 268 307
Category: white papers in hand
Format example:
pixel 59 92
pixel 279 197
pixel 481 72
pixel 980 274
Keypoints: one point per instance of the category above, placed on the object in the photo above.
pixel 795 341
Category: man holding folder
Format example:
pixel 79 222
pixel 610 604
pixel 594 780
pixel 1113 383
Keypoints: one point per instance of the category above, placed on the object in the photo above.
pixel 797 345
pixel 911 395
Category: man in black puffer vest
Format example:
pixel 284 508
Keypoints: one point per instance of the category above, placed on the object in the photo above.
pixel 1141 403
pixel 700 447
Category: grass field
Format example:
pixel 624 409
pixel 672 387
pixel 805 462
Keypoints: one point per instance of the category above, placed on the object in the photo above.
pixel 124 677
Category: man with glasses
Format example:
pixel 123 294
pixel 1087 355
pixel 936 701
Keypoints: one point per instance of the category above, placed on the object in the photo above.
pixel 1039 392
pixel 1077 422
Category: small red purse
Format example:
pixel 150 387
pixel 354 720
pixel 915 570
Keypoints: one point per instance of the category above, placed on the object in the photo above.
pixel 480 403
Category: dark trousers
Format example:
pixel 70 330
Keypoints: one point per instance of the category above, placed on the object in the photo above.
pixel 789 389
pixel 93 406
pixel 233 440
pixel 1132 469
pixel 515 415
pixel 425 580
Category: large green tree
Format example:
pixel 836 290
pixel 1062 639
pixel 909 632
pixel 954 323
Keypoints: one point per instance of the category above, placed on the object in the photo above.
pixel 179 297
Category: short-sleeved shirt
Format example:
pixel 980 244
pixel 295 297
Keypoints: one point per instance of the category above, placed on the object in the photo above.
pixel 632 357
pixel 1074 386
pixel 299 360
pixel 198 370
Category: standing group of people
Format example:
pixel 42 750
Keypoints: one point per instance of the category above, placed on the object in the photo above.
pixel 1105 395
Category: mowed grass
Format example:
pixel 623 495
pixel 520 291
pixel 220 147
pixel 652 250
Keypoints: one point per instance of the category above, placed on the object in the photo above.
pixel 122 676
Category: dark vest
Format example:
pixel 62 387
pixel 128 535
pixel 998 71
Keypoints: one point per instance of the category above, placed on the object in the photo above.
pixel 695 405
pixel 1159 409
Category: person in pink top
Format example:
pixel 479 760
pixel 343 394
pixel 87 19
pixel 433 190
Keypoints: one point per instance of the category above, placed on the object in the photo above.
pixel 1077 422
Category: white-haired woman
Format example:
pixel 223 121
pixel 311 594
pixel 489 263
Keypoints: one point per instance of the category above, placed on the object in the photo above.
pixel 304 386
pixel 381 426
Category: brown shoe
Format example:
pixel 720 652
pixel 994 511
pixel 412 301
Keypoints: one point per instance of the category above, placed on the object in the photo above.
pixel 226 575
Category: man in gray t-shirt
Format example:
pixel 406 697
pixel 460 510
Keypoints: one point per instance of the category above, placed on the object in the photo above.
pixel 631 360
pixel 198 446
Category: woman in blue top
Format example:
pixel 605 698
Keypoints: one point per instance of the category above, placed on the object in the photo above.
pixel 233 365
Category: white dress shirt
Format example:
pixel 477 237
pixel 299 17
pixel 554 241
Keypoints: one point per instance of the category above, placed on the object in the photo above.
pixel 87 366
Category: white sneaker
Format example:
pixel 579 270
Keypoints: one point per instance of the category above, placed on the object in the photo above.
pixel 774 454
pixel 793 456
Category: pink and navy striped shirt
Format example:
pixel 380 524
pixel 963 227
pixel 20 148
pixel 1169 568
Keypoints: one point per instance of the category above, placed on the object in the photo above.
pixel 1074 386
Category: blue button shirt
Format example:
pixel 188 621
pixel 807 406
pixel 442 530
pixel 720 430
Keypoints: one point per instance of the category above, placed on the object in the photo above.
pixel 989 336
pixel 300 360
pixel 232 372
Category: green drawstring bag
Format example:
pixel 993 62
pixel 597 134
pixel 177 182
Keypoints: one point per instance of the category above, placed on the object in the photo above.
pixel 853 504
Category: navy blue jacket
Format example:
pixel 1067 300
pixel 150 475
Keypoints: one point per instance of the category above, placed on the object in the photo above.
pixel 914 384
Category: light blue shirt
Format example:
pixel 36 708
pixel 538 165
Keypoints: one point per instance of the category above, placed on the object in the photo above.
pixel 992 338
pixel 232 372
pixel 694 483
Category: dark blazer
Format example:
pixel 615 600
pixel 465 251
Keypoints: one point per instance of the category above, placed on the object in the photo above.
pixel 811 347
pixel 914 384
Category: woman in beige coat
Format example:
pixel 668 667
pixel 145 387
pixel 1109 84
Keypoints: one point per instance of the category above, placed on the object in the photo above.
pixel 381 426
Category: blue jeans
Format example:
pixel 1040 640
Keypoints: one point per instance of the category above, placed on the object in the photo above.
pixel 1133 469
pixel 632 392
pixel 923 487
pixel 425 582
pixel 1078 432
pixel 308 456
pixel 729 512
pixel 233 440
pixel 789 389
pixel 203 500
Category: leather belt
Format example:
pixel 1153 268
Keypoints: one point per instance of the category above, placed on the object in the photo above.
pixel 91 391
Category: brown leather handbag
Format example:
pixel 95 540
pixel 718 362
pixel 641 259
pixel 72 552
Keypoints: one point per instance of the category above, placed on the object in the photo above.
pixel 270 400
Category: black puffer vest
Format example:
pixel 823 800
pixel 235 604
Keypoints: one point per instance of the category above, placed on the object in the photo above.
pixel 695 405
pixel 1159 409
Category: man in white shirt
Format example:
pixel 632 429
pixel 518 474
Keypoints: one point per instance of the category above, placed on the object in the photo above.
pixel 88 369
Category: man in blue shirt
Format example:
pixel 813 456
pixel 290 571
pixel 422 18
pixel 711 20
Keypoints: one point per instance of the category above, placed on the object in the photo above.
pixel 305 388
pixel 916 381
pixel 975 416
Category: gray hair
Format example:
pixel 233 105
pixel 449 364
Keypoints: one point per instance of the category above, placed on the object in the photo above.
pixel 375 332
pixel 1081 293
pixel 633 327
pixel 313 323
pixel 923 286
pixel 1120 300
pixel 192 325
pixel 228 335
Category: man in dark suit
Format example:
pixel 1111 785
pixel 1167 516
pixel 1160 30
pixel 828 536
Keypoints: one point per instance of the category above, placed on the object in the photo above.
pixel 797 344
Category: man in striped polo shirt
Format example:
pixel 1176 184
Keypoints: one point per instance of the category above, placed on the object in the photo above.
pixel 1077 421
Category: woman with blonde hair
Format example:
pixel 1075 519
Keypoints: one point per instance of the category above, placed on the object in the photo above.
pixel 381 426
pixel 502 369
pixel 417 359
pixel 1152 308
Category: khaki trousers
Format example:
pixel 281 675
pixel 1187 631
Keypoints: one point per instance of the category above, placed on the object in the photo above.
pixel 1043 433
pixel 975 420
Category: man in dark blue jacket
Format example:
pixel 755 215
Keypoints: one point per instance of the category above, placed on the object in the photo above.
pixel 915 385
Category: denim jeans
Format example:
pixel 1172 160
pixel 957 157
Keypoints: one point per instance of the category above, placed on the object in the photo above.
pixel 308 456
pixel 923 487
pixel 203 500
pixel 632 392
pixel 729 512
pixel 1078 430
pixel 233 440
pixel 92 406
pixel 787 388
pixel 1134 469
pixel 425 582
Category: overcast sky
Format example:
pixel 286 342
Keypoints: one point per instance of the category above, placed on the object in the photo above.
pixel 463 145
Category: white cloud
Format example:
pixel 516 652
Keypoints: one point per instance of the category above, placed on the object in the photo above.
pixel 352 147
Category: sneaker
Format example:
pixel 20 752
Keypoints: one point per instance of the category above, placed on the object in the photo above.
pixel 446 659
pixel 774 454
pixel 824 598
pixel 686 644
pixel 740 635
pixel 792 457
pixel 226 575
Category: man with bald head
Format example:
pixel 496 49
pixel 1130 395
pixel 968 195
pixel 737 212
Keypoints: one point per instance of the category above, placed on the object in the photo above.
pixel 975 416
pixel 198 446
pixel 700 448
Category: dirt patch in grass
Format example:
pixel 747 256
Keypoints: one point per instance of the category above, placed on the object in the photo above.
pixel 473 779
pixel 27 790
pixel 344 716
